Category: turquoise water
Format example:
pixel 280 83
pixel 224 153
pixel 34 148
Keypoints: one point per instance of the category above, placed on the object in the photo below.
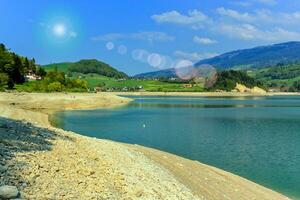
pixel 255 137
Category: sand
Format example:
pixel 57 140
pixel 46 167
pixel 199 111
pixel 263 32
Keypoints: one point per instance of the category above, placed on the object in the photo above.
pixel 45 162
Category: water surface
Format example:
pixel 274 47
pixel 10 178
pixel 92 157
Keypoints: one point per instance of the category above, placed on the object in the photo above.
pixel 255 137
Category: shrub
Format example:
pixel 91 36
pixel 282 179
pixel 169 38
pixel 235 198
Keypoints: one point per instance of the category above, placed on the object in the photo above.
pixel 55 87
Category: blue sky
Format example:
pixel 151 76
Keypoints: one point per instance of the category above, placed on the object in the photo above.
pixel 144 35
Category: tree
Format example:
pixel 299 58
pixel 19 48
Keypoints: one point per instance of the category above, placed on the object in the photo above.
pixel 2 47
pixel 26 65
pixel 3 79
pixel 17 72
pixel 40 72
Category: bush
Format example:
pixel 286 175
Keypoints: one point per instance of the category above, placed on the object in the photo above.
pixel 55 87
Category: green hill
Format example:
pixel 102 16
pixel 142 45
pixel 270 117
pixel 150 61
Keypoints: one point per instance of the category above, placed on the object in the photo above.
pixel 62 67
pixel 86 67
pixel 281 76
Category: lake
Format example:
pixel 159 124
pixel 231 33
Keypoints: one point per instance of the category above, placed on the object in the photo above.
pixel 255 137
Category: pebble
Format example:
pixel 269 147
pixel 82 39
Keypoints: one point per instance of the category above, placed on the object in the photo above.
pixel 3 168
pixel 8 192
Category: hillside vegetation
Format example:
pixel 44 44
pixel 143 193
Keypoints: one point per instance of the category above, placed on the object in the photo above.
pixel 283 77
pixel 87 67
pixel 227 80
pixel 54 81
pixel 23 74
pixel 14 67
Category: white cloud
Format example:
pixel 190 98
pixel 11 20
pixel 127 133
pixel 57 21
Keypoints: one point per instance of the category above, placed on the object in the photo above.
pixel 242 3
pixel 152 36
pixel 258 25
pixel 267 2
pixel 260 16
pixel 247 3
pixel 204 41
pixel 195 18
pixel 148 36
pixel 250 32
pixel 235 14
pixel 194 56
pixel 108 37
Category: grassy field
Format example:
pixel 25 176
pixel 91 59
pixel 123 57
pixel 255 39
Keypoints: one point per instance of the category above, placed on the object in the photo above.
pixel 96 80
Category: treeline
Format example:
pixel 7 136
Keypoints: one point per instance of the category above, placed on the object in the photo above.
pixel 227 80
pixel 280 71
pixel 13 68
pixel 55 81
pixel 97 67
pixel 281 77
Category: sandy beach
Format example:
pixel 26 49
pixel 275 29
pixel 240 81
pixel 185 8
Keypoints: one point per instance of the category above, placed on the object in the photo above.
pixel 45 162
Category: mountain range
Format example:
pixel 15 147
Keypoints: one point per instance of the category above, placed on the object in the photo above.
pixel 258 57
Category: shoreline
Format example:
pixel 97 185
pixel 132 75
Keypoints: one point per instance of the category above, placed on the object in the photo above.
pixel 206 94
pixel 186 178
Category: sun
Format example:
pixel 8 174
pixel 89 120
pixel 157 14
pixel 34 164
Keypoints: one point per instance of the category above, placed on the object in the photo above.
pixel 59 30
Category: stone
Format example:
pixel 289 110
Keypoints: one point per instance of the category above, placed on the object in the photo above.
pixel 3 168
pixel 8 192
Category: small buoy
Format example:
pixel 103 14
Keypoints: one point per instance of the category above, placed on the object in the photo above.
pixel 144 125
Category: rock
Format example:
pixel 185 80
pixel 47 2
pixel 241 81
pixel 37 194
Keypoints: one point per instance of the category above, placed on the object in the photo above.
pixel 8 192
pixel 258 90
pixel 241 88
pixel 3 168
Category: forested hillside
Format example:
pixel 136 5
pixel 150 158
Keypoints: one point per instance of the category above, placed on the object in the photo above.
pixel 283 77
pixel 87 66
pixel 13 68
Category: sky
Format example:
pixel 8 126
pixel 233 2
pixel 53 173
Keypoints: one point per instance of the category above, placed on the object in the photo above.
pixel 138 36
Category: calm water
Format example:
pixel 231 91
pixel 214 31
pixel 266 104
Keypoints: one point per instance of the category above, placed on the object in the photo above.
pixel 255 137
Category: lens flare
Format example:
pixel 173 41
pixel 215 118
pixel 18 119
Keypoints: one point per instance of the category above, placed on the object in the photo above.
pixel 208 74
pixel 166 62
pixel 154 60
pixel 59 30
pixel 122 49
pixel 140 55
pixel 110 46
pixel 184 69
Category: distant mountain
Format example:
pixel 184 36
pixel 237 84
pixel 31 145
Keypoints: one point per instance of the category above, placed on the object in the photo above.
pixel 257 57
pixel 87 66
pixel 167 73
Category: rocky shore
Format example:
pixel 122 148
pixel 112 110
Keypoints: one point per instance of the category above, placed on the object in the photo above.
pixel 38 161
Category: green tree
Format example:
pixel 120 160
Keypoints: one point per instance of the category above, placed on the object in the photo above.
pixel 3 80
pixel 17 71
pixel 26 65
pixel 40 72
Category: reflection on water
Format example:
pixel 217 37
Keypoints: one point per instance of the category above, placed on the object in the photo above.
pixel 162 105
pixel 255 137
